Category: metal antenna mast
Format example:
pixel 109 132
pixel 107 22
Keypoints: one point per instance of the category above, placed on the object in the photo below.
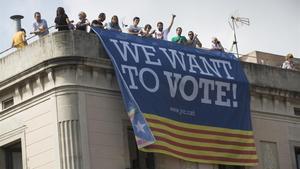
pixel 234 24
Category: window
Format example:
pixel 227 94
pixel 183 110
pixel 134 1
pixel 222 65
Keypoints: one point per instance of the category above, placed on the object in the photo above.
pixel 11 156
pixel 269 155
pixel 138 159
pixel 7 103
pixel 297 111
pixel 230 167
pixel 297 155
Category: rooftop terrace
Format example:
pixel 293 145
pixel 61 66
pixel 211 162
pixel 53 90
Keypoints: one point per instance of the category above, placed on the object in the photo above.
pixel 263 70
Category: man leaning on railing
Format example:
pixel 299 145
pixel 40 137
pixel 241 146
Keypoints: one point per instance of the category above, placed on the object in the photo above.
pixel 40 27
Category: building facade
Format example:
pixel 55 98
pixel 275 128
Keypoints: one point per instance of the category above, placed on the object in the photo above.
pixel 61 108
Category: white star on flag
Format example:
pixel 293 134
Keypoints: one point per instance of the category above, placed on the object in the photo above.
pixel 140 127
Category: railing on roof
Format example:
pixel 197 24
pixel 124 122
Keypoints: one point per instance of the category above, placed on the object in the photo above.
pixel 52 30
pixel 27 39
pixel 49 29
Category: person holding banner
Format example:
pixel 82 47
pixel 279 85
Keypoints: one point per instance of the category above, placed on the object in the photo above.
pixel 216 45
pixel 160 33
pixel 134 29
pixel 98 23
pixel 179 39
pixel 83 22
pixel 114 24
pixel 146 31
pixel 193 40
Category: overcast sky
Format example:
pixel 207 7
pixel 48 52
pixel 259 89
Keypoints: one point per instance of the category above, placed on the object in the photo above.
pixel 274 27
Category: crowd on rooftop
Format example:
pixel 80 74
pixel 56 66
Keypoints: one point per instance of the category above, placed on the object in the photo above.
pixel 62 23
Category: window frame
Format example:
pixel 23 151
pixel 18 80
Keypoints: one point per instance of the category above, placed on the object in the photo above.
pixel 261 142
pixel 7 99
pixel 127 129
pixel 15 136
pixel 296 111
pixel 235 167
pixel 293 145
pixel 296 148
pixel 8 153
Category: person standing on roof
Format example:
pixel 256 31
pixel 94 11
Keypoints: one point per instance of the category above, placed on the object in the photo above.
pixel 216 45
pixel 83 22
pixel 288 63
pixel 40 26
pixel 98 23
pixel 114 24
pixel 134 29
pixel 162 33
pixel 193 40
pixel 19 39
pixel 146 32
pixel 62 20
pixel 179 38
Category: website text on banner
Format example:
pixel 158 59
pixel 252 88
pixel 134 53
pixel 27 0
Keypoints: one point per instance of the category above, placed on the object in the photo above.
pixel 195 102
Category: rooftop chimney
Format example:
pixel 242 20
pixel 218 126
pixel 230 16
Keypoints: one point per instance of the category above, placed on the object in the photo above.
pixel 17 19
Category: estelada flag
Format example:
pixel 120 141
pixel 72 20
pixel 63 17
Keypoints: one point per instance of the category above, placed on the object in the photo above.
pixel 189 103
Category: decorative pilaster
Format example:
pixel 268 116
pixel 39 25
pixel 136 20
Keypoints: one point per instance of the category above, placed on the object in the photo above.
pixel 69 141
pixel 69 131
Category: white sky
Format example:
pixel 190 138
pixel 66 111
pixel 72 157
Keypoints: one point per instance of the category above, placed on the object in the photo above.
pixel 274 28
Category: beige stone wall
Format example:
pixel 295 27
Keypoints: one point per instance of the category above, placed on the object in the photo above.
pixel 273 121
pixel 268 59
pixel 69 113
pixel 35 125
pixel 106 131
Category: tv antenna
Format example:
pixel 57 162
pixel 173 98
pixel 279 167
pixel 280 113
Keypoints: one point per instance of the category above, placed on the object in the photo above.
pixel 236 22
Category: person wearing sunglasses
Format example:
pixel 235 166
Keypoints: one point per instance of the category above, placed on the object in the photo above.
pixel 193 40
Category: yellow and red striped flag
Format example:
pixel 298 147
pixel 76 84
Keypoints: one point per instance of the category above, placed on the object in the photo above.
pixel 201 144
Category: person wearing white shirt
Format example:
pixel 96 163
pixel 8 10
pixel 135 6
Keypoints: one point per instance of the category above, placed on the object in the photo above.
pixel 134 29
pixel 288 63
pixel 162 33
pixel 216 45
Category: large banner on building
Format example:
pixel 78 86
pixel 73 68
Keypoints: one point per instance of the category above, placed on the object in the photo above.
pixel 189 103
